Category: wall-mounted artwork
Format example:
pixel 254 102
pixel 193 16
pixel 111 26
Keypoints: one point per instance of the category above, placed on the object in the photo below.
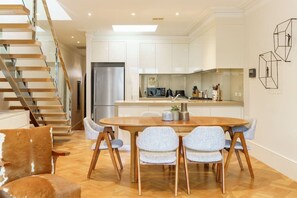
pixel 282 38
pixel 152 81
pixel 268 70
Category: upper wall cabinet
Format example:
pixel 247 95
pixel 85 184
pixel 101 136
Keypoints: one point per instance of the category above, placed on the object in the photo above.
pixel 109 51
pixel 147 58
pixel 163 58
pixel 180 58
pixel 219 45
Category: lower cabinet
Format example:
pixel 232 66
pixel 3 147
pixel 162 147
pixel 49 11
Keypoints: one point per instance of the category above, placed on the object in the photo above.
pixel 194 110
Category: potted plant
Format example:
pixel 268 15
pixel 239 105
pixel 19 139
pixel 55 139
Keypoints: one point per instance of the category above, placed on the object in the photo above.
pixel 175 111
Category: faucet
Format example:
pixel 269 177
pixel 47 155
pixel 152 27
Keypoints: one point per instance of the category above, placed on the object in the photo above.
pixel 173 99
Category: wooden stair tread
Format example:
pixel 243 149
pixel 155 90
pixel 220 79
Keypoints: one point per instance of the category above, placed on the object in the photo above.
pixel 14 10
pixel 20 42
pixel 34 56
pixel 16 27
pixel 62 133
pixel 29 80
pixel 29 68
pixel 41 107
pixel 50 114
pixel 33 98
pixel 53 121
pixel 29 90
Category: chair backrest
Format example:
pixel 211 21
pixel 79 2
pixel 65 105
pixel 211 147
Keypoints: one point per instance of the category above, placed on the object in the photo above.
pixel 158 139
pixel 28 152
pixel 150 113
pixel 205 138
pixel 92 129
pixel 250 133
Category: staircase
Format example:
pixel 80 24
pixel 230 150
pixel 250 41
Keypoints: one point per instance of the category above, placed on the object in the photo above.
pixel 28 81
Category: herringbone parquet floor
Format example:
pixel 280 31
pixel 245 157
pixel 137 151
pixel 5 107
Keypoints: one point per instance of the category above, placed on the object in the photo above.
pixel 159 183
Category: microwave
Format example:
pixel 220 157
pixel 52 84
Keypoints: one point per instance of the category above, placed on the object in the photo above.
pixel 155 92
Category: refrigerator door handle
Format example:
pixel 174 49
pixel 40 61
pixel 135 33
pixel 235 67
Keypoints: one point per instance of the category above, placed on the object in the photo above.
pixel 95 98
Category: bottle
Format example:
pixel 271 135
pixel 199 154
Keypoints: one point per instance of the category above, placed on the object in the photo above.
pixel 184 114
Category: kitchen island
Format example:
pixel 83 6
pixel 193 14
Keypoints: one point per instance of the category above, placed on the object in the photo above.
pixel 195 107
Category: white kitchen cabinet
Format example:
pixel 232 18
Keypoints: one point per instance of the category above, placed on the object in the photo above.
pixel 163 58
pixel 180 58
pixel 116 51
pixel 232 111
pixel 147 58
pixel 100 51
pixel 109 51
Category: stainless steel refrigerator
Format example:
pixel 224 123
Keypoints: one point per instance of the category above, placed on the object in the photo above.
pixel 108 85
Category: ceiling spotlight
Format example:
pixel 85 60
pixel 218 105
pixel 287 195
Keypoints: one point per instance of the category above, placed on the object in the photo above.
pixel 177 13
pixel 72 37
pixel 78 42
pixel 89 14
pixel 133 14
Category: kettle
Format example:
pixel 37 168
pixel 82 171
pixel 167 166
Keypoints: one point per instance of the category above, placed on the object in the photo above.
pixel 169 93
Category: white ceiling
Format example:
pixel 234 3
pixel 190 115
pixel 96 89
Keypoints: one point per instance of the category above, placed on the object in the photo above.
pixel 118 12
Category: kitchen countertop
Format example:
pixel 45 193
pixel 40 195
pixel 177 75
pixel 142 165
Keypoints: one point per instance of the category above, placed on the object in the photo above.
pixel 166 101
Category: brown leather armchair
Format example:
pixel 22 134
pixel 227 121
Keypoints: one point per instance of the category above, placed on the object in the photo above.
pixel 27 165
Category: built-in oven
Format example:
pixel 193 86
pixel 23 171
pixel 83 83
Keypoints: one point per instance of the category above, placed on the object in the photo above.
pixel 156 92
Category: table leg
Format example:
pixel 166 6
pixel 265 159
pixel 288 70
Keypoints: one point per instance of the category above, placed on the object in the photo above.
pixel 246 153
pixel 133 168
pixel 234 138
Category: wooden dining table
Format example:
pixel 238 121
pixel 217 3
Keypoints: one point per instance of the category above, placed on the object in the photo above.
pixel 137 124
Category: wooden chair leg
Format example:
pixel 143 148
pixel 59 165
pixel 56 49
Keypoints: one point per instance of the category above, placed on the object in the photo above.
pixel 219 169
pixel 95 154
pixel 239 159
pixel 119 158
pixel 246 153
pixel 138 168
pixel 223 177
pixel 176 171
pixel 96 159
pixel 106 137
pixel 111 133
pixel 186 170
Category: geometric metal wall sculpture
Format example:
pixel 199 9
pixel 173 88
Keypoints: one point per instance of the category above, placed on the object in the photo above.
pixel 268 70
pixel 282 38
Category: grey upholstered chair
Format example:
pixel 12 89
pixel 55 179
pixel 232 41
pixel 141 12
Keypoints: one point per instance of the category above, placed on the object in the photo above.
pixel 157 146
pixel 92 131
pixel 249 134
pixel 205 144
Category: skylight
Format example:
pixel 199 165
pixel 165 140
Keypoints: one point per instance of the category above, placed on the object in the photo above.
pixel 134 28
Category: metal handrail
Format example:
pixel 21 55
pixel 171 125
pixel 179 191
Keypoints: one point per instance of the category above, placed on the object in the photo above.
pixel 57 44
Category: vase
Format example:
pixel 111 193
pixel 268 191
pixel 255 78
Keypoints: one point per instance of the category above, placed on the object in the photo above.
pixel 175 115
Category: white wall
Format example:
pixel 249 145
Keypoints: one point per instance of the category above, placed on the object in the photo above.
pixel 275 110
pixel 75 64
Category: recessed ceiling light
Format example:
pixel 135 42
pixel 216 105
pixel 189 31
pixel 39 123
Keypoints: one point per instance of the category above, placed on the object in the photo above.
pixel 72 37
pixel 133 14
pixel 89 14
pixel 177 13
pixel 78 42
pixel 134 28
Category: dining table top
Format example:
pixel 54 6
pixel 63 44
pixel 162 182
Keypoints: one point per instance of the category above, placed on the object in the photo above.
pixel 157 121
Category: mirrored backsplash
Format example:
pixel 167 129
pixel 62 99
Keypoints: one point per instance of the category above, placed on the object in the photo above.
pixel 230 80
